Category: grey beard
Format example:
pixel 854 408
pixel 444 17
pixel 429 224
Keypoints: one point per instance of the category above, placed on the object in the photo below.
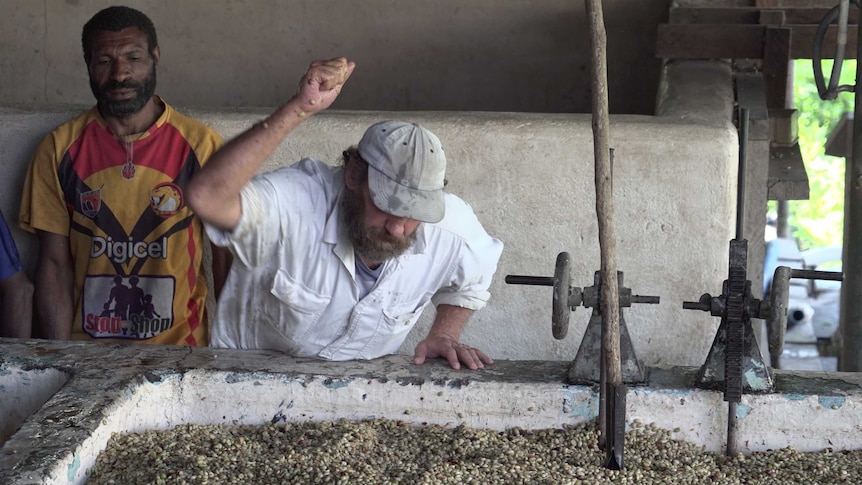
pixel 373 244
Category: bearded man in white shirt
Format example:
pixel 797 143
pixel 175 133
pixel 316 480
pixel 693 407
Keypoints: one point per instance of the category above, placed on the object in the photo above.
pixel 338 263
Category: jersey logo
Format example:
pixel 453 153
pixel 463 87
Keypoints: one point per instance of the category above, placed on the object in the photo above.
pixel 166 199
pixel 134 307
pixel 91 202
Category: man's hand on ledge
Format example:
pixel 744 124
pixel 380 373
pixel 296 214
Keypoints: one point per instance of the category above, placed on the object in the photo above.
pixel 453 351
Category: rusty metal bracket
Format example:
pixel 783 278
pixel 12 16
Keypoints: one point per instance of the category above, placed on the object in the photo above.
pixel 586 368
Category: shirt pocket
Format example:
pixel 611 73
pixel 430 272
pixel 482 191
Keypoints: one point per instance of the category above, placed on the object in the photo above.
pixel 300 309
pixel 398 321
pixel 402 315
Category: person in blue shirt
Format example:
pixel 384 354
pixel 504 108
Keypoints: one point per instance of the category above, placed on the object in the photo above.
pixel 16 289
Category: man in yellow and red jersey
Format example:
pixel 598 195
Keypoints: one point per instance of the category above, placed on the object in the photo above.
pixel 121 254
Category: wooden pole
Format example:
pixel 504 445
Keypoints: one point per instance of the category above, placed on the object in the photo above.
pixel 609 293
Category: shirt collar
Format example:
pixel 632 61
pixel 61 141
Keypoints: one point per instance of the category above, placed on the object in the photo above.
pixel 335 233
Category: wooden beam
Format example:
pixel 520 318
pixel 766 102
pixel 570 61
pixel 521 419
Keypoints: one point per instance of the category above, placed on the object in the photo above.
pixel 709 15
pixel 784 4
pixel 793 3
pixel 776 66
pixel 715 41
pixel 773 18
pixel 802 43
pixel 710 41
pixel 751 94
pixel 783 127
pixel 751 15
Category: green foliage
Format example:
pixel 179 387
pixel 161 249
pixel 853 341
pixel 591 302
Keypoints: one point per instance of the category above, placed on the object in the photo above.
pixel 818 222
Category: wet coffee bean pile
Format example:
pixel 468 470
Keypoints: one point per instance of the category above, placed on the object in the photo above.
pixel 391 452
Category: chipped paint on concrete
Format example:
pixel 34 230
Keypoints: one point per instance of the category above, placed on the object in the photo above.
pixel 754 379
pixel 831 402
pixel 335 383
pixel 73 468
pixel 583 409
pixel 235 377
pixel 672 392
pixel 160 387
pixel 742 411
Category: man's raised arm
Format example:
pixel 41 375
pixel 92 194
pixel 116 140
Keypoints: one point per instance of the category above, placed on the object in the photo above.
pixel 213 193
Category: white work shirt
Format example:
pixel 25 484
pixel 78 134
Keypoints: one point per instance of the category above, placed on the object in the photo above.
pixel 292 284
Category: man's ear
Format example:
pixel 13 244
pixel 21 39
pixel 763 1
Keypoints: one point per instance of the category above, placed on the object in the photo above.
pixel 156 56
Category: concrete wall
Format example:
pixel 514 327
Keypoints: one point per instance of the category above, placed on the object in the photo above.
pixel 480 55
pixel 529 178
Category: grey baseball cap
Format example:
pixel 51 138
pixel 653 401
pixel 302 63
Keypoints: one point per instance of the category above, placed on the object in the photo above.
pixel 406 170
